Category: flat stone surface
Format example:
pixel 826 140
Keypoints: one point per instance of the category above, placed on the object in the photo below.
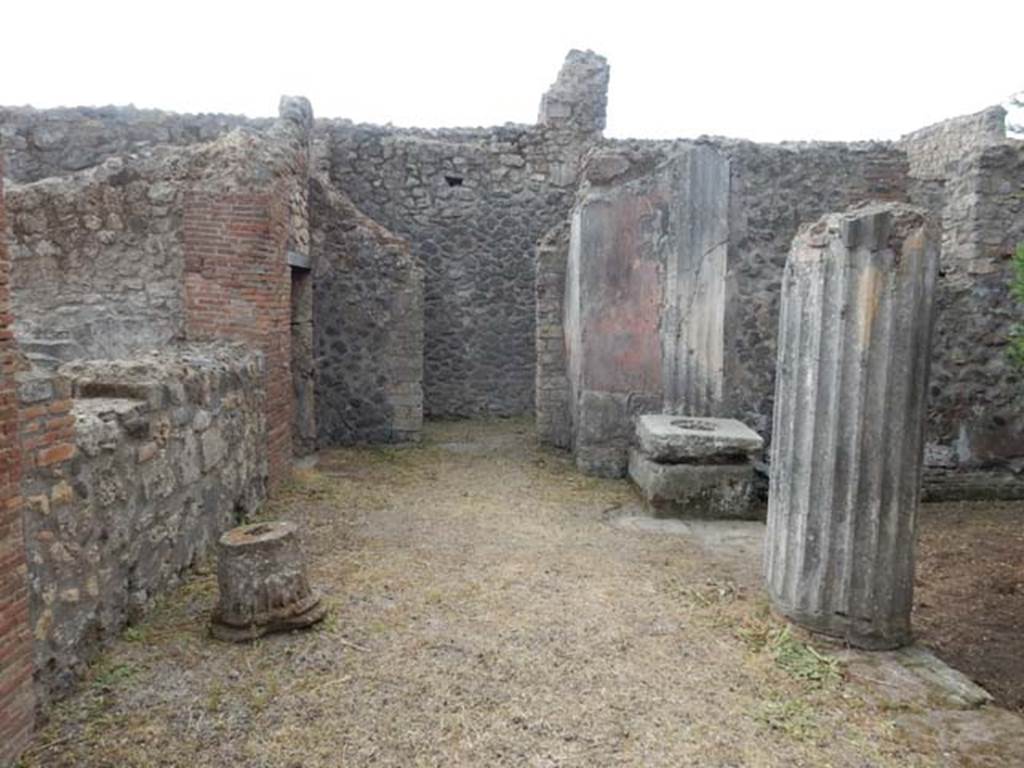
pixel 719 491
pixel 740 543
pixel 668 438
pixel 914 677
pixel 983 737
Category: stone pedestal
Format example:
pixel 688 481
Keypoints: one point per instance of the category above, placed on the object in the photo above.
pixel 261 574
pixel 854 339
pixel 695 467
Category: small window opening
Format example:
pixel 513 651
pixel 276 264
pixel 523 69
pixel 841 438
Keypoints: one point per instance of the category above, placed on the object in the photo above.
pixel 453 181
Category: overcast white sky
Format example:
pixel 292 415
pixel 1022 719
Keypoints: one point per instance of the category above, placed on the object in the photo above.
pixel 767 70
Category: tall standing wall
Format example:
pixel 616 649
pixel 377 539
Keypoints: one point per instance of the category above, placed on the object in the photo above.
pixel 976 425
pixel 473 203
pixel 98 260
pixel 935 151
pixel 40 143
pixel 643 309
pixel 368 326
pixel 774 189
pixel 16 695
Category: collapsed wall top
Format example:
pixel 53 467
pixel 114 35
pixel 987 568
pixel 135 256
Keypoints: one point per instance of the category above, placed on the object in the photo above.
pixel 297 110
pixel 578 99
pixel 935 151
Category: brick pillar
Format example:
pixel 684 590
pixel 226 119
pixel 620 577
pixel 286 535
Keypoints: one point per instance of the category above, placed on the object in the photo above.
pixel 17 702
pixel 238 286
pixel 552 393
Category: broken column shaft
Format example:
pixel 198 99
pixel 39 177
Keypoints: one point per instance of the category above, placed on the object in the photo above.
pixel 261 577
pixel 851 383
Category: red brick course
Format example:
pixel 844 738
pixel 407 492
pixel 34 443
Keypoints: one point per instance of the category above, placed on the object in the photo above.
pixel 47 437
pixel 238 286
pixel 17 702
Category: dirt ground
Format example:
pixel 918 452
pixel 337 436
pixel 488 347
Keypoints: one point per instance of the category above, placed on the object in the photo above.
pixel 969 592
pixel 484 611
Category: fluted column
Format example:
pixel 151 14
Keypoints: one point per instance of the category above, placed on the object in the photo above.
pixel 851 384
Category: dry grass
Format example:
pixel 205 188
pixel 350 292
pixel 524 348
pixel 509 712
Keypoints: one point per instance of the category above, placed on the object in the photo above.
pixel 483 613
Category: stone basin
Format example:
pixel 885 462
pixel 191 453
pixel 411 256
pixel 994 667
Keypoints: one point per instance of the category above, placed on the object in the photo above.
pixel 673 439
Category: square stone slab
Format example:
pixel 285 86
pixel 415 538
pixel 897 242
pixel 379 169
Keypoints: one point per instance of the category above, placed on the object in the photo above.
pixel 670 439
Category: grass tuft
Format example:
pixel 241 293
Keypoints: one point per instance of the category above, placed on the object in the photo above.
pixel 800 659
pixel 793 717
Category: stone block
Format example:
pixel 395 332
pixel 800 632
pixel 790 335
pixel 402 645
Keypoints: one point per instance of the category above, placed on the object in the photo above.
pixel 147 451
pixel 214 448
pixel 34 387
pixel 61 493
pixel 604 430
pixel 720 491
pixel 670 439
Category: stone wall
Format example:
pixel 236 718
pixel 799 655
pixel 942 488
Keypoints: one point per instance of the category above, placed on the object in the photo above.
pixel 976 400
pixel 303 363
pixel 40 143
pixel 975 436
pixel 165 239
pixel 97 260
pixel 644 296
pixel 969 176
pixel 774 188
pixel 771 190
pixel 936 151
pixel 473 203
pixel 239 221
pixel 167 451
pixel 296 128
pixel 238 286
pixel 17 701
pixel 172 242
pixel 368 326
pixel 577 102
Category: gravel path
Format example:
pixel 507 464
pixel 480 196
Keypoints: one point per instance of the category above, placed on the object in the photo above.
pixel 483 613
